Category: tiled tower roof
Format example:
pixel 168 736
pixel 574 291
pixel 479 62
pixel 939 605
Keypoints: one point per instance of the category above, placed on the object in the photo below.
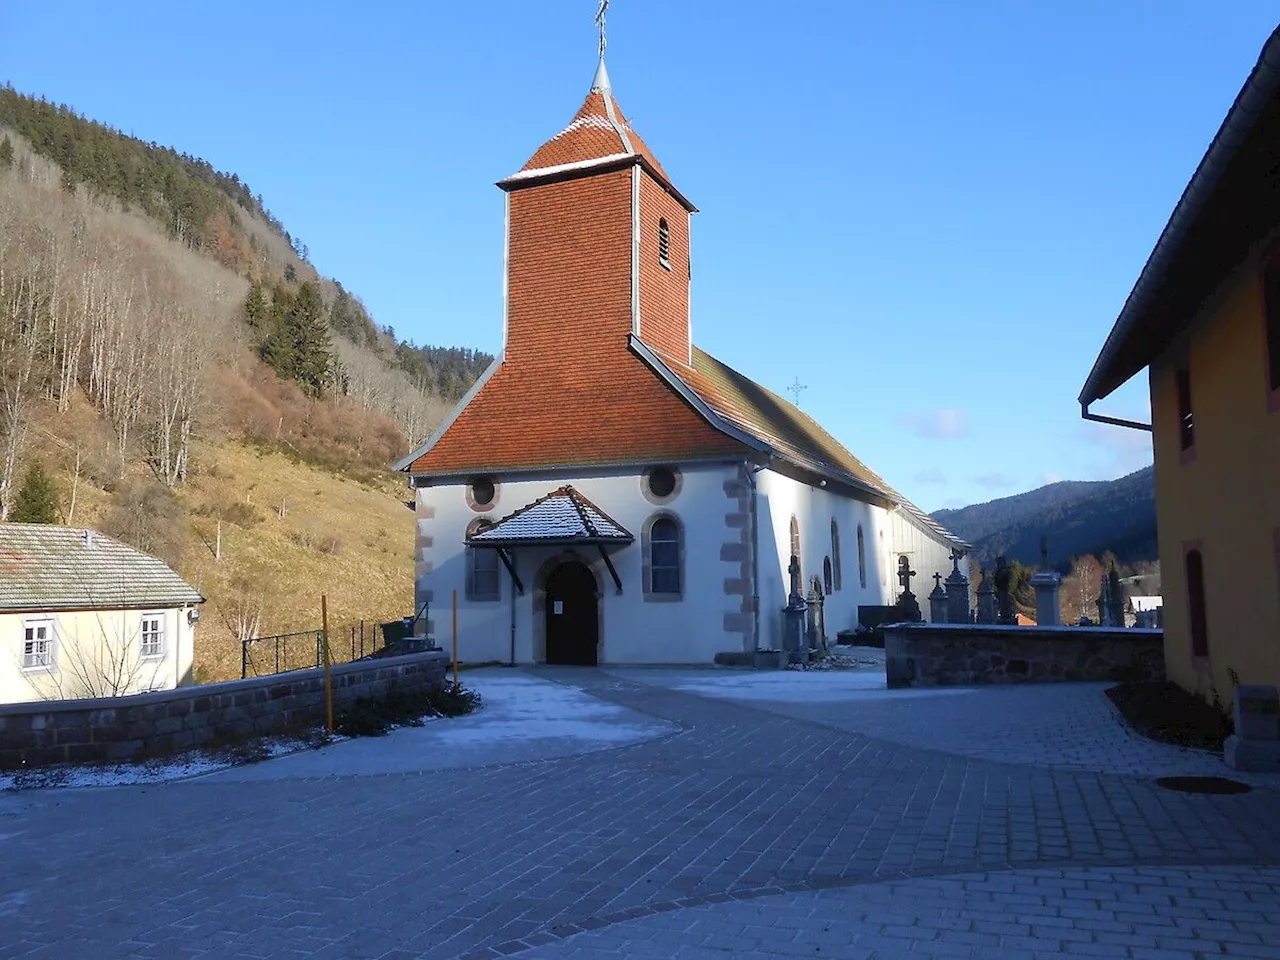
pixel 598 134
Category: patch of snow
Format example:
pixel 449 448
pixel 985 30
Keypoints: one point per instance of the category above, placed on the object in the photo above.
pixel 521 718
pixel 803 686
pixel 183 766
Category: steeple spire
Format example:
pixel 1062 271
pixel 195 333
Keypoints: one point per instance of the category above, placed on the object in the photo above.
pixel 601 80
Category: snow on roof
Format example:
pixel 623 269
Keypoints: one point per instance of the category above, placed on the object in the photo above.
pixel 45 567
pixel 562 516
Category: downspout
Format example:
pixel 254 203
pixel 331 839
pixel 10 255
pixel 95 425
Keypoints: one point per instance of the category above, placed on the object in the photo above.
pixel 755 551
pixel 513 616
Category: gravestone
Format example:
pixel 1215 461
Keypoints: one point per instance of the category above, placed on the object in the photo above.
pixel 793 617
pixel 1256 743
pixel 1047 583
pixel 815 627
pixel 957 591
pixel 937 601
pixel 907 601
pixel 1115 598
pixel 1005 613
pixel 986 599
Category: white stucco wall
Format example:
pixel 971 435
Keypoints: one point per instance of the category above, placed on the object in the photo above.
pixel 704 621
pixel 926 554
pixel 95 653
pixel 887 534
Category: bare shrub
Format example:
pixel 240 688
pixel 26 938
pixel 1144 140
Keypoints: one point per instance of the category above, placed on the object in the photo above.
pixel 146 515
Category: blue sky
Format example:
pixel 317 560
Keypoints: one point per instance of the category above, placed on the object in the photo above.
pixel 927 213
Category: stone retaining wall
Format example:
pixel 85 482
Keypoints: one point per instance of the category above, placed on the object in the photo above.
pixel 152 724
pixel 941 654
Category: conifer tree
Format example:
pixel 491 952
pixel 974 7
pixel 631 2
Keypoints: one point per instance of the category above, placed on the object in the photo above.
pixel 37 499
pixel 6 152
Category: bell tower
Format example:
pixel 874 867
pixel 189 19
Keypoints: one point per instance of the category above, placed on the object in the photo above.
pixel 597 244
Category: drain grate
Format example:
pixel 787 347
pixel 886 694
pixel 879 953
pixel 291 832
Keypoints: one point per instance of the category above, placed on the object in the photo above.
pixel 1214 785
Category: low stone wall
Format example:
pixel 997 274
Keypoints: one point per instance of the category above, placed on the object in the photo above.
pixel 152 724
pixel 957 654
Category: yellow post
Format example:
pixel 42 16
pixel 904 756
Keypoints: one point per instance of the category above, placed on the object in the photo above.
pixel 455 638
pixel 328 673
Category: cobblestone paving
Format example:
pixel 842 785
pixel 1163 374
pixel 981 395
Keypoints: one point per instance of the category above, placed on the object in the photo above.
pixel 1164 913
pixel 743 809
pixel 1068 726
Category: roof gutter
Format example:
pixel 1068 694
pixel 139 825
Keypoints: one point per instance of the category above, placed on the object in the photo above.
pixel 1258 90
pixel 1114 421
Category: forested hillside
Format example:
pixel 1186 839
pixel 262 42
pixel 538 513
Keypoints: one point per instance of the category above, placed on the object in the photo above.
pixel 1078 518
pixel 194 387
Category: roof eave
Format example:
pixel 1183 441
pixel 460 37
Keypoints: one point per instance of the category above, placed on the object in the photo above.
pixel 591 168
pixel 404 463
pixel 551 542
pixel 1263 84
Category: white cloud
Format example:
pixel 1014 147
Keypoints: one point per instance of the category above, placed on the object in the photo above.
pixel 932 476
pixel 1128 449
pixel 936 424
pixel 993 481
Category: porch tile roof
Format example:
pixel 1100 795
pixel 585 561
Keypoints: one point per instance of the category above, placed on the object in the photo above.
pixel 563 516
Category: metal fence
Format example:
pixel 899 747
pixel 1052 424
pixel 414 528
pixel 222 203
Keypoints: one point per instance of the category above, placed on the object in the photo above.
pixel 262 656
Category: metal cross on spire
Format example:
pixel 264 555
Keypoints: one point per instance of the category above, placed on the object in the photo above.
pixel 600 12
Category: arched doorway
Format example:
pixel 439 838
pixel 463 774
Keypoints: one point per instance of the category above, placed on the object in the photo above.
pixel 573 619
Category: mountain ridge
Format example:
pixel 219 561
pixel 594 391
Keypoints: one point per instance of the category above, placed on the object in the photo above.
pixel 1076 517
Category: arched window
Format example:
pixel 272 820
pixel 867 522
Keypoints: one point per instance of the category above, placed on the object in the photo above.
pixel 665 556
pixel 795 546
pixel 483 579
pixel 1196 605
pixel 826 573
pixel 862 559
pixel 836 578
pixel 664 244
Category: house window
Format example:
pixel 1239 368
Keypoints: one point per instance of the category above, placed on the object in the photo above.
pixel 795 545
pixel 37 645
pixel 835 557
pixel 1271 294
pixel 1196 604
pixel 664 556
pixel 482 567
pixel 152 635
pixel 862 559
pixel 1186 417
pixel 826 574
pixel 664 244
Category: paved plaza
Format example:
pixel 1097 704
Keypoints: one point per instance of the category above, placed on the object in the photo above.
pixel 669 813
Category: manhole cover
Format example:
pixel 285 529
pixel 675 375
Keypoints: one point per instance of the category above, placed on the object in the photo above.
pixel 1217 785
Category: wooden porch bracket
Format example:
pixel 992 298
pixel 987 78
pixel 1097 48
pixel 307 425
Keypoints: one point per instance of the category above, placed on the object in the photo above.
pixel 511 569
pixel 617 581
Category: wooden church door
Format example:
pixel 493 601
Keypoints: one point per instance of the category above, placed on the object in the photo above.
pixel 573 617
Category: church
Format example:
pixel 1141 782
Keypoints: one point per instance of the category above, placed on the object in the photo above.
pixel 609 493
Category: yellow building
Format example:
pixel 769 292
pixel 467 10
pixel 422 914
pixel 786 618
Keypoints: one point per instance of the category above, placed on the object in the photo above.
pixel 1204 319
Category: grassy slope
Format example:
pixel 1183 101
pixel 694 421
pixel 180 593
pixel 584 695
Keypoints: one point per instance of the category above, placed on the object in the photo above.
pixel 351 541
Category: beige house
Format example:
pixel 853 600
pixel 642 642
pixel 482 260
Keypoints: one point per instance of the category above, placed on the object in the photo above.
pixel 82 615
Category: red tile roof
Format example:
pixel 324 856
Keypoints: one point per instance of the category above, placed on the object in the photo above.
pixel 592 135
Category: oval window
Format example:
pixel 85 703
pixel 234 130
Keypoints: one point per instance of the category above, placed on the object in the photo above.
pixel 482 491
pixel 662 481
